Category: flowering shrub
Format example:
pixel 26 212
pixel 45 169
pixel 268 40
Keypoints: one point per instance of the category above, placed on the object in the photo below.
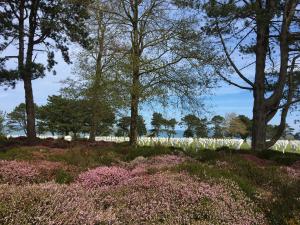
pixel 103 176
pixel 21 172
pixel 179 199
pixel 162 198
pixel 17 172
pixel 51 203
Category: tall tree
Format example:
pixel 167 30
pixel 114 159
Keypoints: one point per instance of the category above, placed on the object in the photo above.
pixel 156 122
pixel 269 30
pixel 124 126
pixel 195 127
pixel 218 126
pixel 37 27
pixel 248 123
pixel 96 66
pixel 159 59
pixel 235 127
pixel 169 127
pixel 63 116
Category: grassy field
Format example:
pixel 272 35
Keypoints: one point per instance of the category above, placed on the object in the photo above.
pixel 106 183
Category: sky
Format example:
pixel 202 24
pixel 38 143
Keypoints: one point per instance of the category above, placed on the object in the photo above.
pixel 225 99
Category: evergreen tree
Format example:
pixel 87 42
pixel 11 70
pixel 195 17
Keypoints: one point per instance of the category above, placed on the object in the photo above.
pixel 37 27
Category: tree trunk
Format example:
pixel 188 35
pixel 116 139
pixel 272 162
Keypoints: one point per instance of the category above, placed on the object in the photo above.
pixel 259 109
pixel 30 111
pixel 93 131
pixel 133 119
pixel 259 126
pixel 135 90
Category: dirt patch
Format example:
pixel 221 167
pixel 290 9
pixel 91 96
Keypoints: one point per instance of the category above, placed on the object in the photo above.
pixel 296 165
pixel 53 143
pixel 256 160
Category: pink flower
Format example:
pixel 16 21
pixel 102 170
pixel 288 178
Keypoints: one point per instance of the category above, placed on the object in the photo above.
pixel 103 176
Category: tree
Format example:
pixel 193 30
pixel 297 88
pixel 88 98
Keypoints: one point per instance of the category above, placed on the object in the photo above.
pixel 270 31
pixel 63 116
pixel 17 119
pixel 202 128
pixel 160 61
pixel 2 120
pixel 169 127
pixel 218 126
pixel 141 126
pixel 188 133
pixel 248 123
pixel 235 126
pixel 297 136
pixel 36 27
pixel 99 81
pixel 195 126
pixel 288 133
pixel 156 122
pixel 124 126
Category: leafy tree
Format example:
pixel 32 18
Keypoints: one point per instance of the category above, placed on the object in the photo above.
pixel 269 30
pixel 188 133
pixel 218 126
pixel 195 126
pixel 157 122
pixel 2 120
pixel 63 116
pixel 37 27
pixel 124 126
pixel 17 119
pixel 202 128
pixel 158 59
pixel 169 127
pixel 248 123
pixel 235 127
pixel 141 126
pixel 99 81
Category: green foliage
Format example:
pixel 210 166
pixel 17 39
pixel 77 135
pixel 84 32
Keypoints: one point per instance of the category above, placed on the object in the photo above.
pixel 17 119
pixel 147 152
pixel 218 126
pixel 156 122
pixel 124 126
pixel 66 115
pixel 54 24
pixel 62 115
pixel 63 177
pixel 195 127
pixel 169 127
pixel 86 158
pixel 2 120
pixel 287 158
pixel 3 140
pixel 17 153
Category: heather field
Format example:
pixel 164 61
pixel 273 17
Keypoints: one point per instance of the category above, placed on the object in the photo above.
pixel 81 182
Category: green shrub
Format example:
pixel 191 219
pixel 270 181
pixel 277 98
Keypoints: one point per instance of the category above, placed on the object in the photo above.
pixel 63 177
pixel 21 153
pixel 3 140
pixel 146 151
